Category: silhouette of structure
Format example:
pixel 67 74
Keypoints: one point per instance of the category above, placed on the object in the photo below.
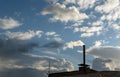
pixel 83 69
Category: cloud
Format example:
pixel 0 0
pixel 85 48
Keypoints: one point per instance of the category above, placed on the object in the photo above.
pixel 50 33
pixel 17 60
pixel 69 2
pixel 98 43
pixel 55 64
pixel 115 26
pixel 24 35
pixel 101 64
pixel 9 23
pixel 83 4
pixel 53 44
pixel 103 16
pixel 107 52
pixel 89 31
pixel 111 8
pixel 52 1
pixel 118 36
pixel 108 6
pixel 112 15
pixel 42 63
pixel 53 36
pixel 51 52
pixel 13 48
pixel 36 66
pixel 97 23
pixel 64 14
pixel 22 72
pixel 72 44
pixel 87 34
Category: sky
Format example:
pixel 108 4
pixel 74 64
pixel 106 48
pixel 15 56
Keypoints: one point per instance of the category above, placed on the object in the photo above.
pixel 36 34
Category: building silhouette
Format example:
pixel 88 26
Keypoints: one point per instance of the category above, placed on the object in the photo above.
pixel 85 71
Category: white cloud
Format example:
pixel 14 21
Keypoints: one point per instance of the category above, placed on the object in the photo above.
pixel 112 15
pixel 24 35
pixel 69 1
pixel 85 4
pixel 78 23
pixel 72 44
pixel 50 33
pixel 108 6
pixel 97 23
pixel 50 52
pixel 112 10
pixel 58 39
pixel 76 29
pixel 64 14
pixel 115 26
pixel 53 36
pixel 98 43
pixel 89 31
pixel 107 52
pixel 92 30
pixel 9 23
pixel 87 34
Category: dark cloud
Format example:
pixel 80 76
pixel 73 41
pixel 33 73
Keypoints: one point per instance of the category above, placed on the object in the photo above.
pixel 34 66
pixel 17 60
pixel 22 72
pixel 27 47
pixel 53 44
pixel 10 48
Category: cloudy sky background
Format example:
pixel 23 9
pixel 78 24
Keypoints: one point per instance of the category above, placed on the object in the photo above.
pixel 37 33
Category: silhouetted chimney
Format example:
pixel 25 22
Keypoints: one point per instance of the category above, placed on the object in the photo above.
pixel 84 56
pixel 84 66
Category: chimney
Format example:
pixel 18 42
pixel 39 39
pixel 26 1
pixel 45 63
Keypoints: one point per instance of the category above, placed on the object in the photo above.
pixel 84 56
pixel 83 66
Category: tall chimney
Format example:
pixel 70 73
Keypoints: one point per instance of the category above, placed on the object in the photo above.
pixel 84 58
pixel 84 66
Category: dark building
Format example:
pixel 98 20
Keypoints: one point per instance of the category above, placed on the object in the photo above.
pixel 89 74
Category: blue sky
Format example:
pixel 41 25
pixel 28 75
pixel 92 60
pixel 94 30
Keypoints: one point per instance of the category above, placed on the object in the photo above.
pixel 34 32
